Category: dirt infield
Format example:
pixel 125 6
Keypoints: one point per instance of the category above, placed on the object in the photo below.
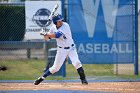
pixel 126 87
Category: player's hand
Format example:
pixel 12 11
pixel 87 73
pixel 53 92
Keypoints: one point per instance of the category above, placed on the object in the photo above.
pixel 44 31
pixel 47 38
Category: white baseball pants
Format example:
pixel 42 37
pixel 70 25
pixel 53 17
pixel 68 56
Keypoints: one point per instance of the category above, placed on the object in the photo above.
pixel 61 56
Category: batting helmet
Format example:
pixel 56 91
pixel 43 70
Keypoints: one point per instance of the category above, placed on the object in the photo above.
pixel 56 18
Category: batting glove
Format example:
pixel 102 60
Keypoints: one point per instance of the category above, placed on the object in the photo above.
pixel 44 31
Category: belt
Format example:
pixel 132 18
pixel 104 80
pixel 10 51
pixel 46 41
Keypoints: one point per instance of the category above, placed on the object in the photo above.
pixel 66 47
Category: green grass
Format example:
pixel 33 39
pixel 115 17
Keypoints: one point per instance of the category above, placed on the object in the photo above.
pixel 32 69
pixel 22 69
pixel 92 70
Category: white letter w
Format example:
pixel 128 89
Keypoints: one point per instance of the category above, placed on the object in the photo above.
pixel 91 7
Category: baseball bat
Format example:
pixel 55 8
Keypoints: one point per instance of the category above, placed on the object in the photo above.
pixel 44 30
pixel 53 11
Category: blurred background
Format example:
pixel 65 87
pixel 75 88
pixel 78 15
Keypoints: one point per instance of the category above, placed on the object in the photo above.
pixel 22 58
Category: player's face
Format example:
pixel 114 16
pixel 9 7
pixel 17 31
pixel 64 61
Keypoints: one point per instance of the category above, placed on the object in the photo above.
pixel 59 23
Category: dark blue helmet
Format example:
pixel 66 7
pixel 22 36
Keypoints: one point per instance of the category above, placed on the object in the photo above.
pixel 56 18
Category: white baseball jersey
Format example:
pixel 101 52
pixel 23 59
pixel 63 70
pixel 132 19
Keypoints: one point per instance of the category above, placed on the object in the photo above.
pixel 66 38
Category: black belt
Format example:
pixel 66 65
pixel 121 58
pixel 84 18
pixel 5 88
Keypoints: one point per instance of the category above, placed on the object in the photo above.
pixel 66 47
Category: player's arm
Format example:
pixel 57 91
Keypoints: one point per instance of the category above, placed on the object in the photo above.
pixel 53 35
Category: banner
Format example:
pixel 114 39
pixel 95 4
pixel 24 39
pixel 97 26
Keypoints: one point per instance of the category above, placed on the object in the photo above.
pixel 37 13
pixel 103 30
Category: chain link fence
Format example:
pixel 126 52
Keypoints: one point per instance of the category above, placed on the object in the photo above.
pixel 27 53
pixel 12 29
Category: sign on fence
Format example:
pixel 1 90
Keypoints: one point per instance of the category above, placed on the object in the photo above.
pixel 103 30
pixel 37 13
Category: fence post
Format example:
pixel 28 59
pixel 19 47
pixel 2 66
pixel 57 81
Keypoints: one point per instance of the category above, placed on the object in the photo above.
pixel 28 53
pixel 46 50
pixel 136 37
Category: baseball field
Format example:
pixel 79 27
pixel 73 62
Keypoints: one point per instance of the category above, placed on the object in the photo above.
pixel 19 79
pixel 18 76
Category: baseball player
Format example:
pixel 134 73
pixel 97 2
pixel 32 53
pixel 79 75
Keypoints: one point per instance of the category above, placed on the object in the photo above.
pixel 65 47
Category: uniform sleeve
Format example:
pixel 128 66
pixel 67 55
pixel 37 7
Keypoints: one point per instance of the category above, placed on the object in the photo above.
pixel 58 34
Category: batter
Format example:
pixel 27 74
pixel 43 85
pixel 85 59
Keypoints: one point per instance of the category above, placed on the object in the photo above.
pixel 65 47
